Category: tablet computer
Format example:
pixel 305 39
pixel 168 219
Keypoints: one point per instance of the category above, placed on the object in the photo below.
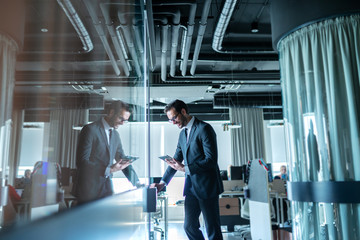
pixel 166 157
pixel 130 158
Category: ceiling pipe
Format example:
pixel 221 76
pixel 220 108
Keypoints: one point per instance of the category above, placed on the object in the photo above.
pixel 75 20
pixel 174 37
pixel 118 49
pixel 150 28
pixel 259 77
pixel 183 40
pixel 200 36
pixel 126 29
pixel 164 45
pixel 151 32
pixel 188 38
pixel 241 77
pixel 100 31
pixel 222 25
pixel 174 42
pixel 190 29
pixel 138 38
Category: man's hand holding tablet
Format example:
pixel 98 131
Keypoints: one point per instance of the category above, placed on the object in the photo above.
pixel 173 163
pixel 167 158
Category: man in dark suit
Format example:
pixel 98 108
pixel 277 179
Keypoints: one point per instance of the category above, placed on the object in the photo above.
pixel 98 148
pixel 196 155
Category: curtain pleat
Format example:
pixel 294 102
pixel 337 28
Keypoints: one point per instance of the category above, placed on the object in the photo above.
pixel 8 51
pixel 15 146
pixel 247 142
pixel 320 75
pixel 62 137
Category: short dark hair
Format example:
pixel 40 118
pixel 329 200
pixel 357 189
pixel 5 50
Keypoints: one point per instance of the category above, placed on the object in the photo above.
pixel 178 105
pixel 118 106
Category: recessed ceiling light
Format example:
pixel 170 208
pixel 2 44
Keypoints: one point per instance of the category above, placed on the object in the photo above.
pixel 44 30
pixel 254 27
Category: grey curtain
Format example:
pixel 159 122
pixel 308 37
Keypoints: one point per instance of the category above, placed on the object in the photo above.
pixel 15 146
pixel 247 142
pixel 62 137
pixel 8 50
pixel 320 73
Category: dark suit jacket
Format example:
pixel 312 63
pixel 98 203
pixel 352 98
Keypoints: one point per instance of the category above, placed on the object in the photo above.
pixel 200 153
pixel 93 156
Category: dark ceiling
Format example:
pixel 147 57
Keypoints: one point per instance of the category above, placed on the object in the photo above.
pixel 203 52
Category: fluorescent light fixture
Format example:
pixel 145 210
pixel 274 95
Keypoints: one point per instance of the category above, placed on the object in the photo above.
pixel 275 123
pixel 227 126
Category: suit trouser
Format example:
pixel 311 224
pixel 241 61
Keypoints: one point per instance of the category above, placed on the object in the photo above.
pixel 210 210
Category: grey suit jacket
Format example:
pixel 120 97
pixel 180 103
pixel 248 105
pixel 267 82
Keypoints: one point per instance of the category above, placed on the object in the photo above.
pixel 200 155
pixel 93 156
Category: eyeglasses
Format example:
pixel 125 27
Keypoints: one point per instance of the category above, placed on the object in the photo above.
pixel 123 120
pixel 174 118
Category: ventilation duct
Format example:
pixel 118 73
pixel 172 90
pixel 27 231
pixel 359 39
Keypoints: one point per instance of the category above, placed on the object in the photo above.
pixel 116 42
pixel 77 23
pixel 221 27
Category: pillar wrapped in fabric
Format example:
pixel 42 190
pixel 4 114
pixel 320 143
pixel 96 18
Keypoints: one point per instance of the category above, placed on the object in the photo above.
pixel 318 45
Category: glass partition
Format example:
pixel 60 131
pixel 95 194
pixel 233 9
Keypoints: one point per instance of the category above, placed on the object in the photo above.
pixel 73 60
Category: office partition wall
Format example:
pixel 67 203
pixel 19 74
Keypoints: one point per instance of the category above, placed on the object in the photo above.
pixel 95 52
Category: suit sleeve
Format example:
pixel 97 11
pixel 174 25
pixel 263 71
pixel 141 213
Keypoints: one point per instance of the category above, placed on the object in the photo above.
pixel 84 147
pixel 207 161
pixel 129 172
pixel 170 172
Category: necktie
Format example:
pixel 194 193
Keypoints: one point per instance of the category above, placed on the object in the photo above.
pixel 186 134
pixel 110 133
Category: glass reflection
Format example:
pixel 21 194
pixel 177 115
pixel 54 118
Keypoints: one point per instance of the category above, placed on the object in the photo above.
pixel 66 77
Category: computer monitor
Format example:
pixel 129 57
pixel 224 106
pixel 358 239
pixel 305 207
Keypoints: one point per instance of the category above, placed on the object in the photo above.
pixel 236 172
pixel 157 180
pixel 224 174
pixel 270 172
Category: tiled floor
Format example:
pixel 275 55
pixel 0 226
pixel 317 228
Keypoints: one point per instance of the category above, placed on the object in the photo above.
pixel 176 232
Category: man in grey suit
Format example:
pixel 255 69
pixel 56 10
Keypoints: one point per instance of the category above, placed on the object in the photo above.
pixel 98 148
pixel 196 155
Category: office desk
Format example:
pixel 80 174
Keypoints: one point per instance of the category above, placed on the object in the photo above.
pixel 279 197
pixel 230 220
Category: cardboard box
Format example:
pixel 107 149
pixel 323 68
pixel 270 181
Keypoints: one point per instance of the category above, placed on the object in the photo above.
pixel 229 206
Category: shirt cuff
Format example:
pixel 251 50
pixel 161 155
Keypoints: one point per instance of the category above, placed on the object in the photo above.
pixel 162 181
pixel 108 174
pixel 187 169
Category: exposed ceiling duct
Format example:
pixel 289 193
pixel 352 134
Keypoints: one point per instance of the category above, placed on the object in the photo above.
pixel 75 20
pixel 130 39
pixel 185 51
pixel 175 26
pixel 200 36
pixel 111 29
pixel 101 33
pixel 178 65
pixel 222 25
